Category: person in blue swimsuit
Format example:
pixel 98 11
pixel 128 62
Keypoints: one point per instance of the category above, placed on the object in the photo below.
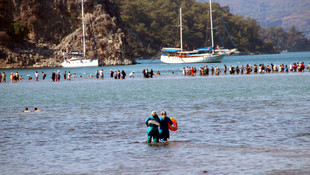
pixel 163 129
pixel 152 130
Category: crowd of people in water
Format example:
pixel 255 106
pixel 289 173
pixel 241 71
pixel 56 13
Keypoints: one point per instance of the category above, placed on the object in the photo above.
pixel 186 71
pixel 146 73
pixel 57 76
pixel 247 69
pixel 117 74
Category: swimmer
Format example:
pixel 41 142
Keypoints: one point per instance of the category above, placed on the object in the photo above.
pixel 158 73
pixel 36 110
pixel 26 110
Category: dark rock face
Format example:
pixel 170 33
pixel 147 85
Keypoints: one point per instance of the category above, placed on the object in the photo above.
pixel 55 27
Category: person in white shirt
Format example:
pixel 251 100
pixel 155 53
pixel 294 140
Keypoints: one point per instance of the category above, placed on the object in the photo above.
pixel 37 76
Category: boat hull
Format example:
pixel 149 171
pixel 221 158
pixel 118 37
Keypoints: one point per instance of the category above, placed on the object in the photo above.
pixel 191 59
pixel 227 52
pixel 79 63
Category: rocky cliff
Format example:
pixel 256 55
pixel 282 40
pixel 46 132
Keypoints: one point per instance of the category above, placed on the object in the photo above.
pixel 54 27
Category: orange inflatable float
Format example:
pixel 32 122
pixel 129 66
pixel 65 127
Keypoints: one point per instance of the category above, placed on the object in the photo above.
pixel 175 125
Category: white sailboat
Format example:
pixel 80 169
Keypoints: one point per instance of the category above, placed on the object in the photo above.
pixel 77 58
pixel 228 52
pixel 202 55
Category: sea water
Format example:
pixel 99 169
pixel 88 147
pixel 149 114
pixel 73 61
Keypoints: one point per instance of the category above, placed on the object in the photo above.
pixel 227 124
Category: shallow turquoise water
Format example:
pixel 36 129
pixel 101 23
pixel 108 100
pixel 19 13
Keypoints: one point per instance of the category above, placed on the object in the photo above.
pixel 228 124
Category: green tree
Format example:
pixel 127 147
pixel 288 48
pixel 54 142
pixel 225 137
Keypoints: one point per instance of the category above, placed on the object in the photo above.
pixel 293 40
pixel 20 31
pixel 154 24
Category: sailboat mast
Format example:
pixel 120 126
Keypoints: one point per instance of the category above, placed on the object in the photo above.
pixel 211 25
pixel 181 28
pixel 84 48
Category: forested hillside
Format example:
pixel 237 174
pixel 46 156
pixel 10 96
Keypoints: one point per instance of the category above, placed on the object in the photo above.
pixel 293 40
pixel 278 13
pixel 154 24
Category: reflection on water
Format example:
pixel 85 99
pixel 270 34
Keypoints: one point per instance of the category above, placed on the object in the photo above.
pixel 256 124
